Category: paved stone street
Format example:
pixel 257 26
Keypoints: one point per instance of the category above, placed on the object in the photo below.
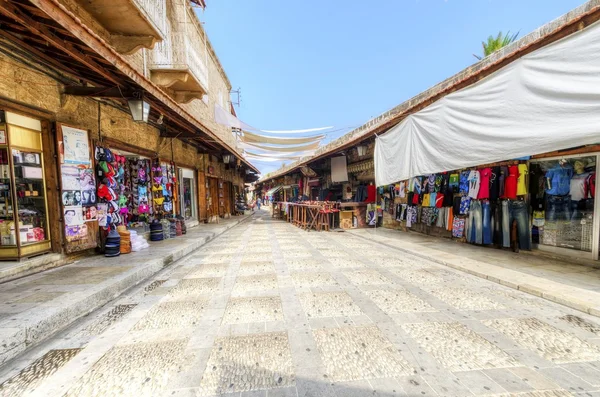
pixel 267 309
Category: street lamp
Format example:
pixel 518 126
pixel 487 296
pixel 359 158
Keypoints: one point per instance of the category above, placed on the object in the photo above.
pixel 139 108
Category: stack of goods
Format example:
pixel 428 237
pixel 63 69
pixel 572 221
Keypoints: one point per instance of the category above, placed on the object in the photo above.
pixel 166 225
pixel 138 242
pixel 156 231
pixel 138 177
pixel 163 188
pixel 178 230
pixel 113 244
pixel 125 239
pixel 172 228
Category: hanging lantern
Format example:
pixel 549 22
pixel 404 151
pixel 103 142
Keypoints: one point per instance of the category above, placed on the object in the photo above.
pixel 139 108
pixel 227 158
pixel 361 149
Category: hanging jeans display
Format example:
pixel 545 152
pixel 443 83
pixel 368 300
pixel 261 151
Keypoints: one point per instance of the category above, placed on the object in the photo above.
pixel 515 210
pixel 487 222
pixel 475 234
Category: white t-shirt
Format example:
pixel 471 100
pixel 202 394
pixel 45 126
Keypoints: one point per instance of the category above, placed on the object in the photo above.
pixel 578 186
pixel 474 183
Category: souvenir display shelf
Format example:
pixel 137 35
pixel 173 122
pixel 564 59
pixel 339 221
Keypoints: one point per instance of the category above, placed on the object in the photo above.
pixel 23 204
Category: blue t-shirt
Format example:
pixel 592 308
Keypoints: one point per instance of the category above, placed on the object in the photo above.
pixel 560 180
pixel 464 182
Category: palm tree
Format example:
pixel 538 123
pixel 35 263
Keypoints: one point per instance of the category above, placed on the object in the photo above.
pixel 493 44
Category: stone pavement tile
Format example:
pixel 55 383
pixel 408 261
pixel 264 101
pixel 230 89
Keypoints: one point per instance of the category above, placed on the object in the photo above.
pixel 387 387
pixel 328 304
pixel 342 263
pixel 501 340
pixel 282 392
pixel 209 270
pixel 248 363
pixel 258 309
pixel 398 301
pixel 465 299
pixel 551 343
pixel 304 264
pixel 586 325
pixel 194 287
pixel 313 279
pixel 189 374
pixel 479 383
pixel 314 388
pixel 327 322
pixel 585 372
pixel 446 384
pixel 264 282
pixel 254 393
pixel 176 314
pixel 566 380
pixel 255 268
pixel 217 258
pixel 356 388
pixel 458 348
pixel 355 353
pixel 31 376
pixel 366 277
pixel 508 380
pixel 415 385
pixel 141 369
pixel 536 380
pixel 305 354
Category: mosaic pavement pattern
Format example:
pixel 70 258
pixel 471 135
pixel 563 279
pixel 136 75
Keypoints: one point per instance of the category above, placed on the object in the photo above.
pixel 40 369
pixel 458 348
pixel 250 310
pixel 177 314
pixel 549 342
pixel 352 353
pixel 270 310
pixel 398 301
pixel 329 304
pixel 250 362
pixel 147 370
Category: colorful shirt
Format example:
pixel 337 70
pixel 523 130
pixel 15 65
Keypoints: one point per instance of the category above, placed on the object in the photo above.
pixel 465 202
pixel 458 227
pixel 510 184
pixel 454 180
pixel 464 182
pixel 484 188
pixel 559 180
pixel 522 181
pixel 474 183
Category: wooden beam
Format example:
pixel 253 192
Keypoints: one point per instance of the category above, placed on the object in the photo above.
pixel 10 10
pixel 35 51
pixel 99 92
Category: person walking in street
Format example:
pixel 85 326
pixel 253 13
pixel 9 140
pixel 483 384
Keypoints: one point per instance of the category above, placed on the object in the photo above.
pixel 258 204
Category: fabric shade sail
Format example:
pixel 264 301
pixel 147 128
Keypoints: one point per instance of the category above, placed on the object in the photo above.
pixel 278 157
pixel 249 137
pixel 545 101
pixel 283 149
pixel 274 190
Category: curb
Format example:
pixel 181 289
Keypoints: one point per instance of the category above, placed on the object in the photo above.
pixel 14 341
pixel 568 301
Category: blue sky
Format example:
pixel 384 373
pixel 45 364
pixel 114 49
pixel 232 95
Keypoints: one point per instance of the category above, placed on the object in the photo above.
pixel 305 64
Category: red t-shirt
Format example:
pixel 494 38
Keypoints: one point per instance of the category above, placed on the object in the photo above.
pixel 484 186
pixel 510 185
pixel 371 194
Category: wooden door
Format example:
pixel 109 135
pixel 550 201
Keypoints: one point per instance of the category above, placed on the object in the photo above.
pixel 202 202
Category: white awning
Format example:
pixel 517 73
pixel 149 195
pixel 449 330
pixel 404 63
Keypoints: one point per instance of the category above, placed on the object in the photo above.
pixel 547 100
pixel 274 190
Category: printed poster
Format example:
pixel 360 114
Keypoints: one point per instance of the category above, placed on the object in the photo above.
pixel 75 233
pixel 76 146
pixel 73 215
pixel 70 177
pixel 101 214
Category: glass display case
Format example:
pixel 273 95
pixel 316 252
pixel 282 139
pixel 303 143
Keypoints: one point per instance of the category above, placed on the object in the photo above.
pixel 23 205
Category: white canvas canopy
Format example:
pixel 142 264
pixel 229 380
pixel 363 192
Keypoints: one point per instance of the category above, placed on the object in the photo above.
pixel 547 100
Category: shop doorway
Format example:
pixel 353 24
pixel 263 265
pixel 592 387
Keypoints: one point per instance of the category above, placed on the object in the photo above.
pixel 187 193
pixel 563 198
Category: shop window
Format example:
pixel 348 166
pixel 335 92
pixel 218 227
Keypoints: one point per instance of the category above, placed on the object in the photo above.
pixel 562 200
pixel 188 194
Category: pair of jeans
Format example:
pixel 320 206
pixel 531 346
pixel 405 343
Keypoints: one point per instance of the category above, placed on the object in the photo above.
pixel 558 207
pixel 475 220
pixel 518 211
pixel 487 222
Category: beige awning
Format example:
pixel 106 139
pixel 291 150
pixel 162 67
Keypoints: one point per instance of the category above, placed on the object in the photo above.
pixel 249 137
pixel 285 149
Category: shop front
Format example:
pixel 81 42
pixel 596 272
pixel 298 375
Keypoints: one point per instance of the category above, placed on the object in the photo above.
pixel 188 189
pixel 24 215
